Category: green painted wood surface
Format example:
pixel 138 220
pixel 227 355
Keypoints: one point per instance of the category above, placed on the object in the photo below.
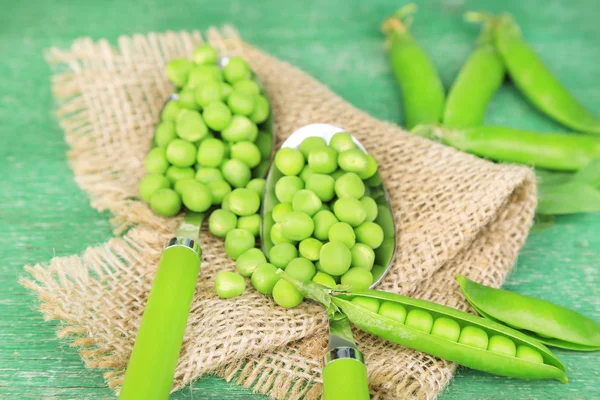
pixel 43 213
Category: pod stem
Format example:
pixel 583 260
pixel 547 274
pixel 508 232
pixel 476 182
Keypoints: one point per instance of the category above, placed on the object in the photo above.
pixel 400 21
pixel 313 291
pixel 431 132
pixel 489 22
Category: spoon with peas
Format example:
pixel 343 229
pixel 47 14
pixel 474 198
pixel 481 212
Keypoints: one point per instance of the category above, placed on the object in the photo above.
pixel 333 211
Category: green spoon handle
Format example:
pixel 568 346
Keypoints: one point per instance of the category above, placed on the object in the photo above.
pixel 345 379
pixel 152 364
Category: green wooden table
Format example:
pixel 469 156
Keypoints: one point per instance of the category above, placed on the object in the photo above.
pixel 43 213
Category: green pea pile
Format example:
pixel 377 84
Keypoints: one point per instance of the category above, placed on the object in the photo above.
pixel 209 144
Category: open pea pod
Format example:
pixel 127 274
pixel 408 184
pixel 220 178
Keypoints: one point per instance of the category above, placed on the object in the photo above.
pixel 529 358
pixel 549 323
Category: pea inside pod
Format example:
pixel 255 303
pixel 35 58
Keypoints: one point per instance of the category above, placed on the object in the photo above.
pixel 549 323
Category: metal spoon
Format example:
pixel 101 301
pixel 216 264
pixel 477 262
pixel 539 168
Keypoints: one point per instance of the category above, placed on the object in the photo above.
pixel 344 373
pixel 154 357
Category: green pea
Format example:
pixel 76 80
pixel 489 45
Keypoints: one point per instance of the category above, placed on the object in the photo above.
pixel 257 185
pixel 190 125
pixel 277 235
pixel 350 210
pixel 197 198
pixel 310 248
pixel 306 173
pixel 337 174
pixel 221 222
pixel 446 328
pixel 300 268
pixel 236 70
pixel 311 143
pixel 374 181
pixel 208 175
pixel 323 221
pixel 342 232
pixel 201 74
pixel 217 115
pixel 357 278
pixel 150 184
pixel 250 223
pixel 370 234
pixel 502 345
pixel 335 258
pixel 170 111
pixel 184 184
pixel 241 103
pixel 156 161
pixel 244 202
pixel 176 173
pixel 392 310
pixel 229 284
pixel 362 256
pixel 247 152
pixel 370 207
pixel 281 254
pixel 420 320
pixel 264 142
pixel 187 100
pixel 207 93
pixel 240 128
pixel 225 202
pixel 236 173
pixel 529 354
pixel 368 303
pixel 353 161
pixel 323 160
pixel 474 337
pixel 322 185
pixel 237 241
pixel 218 189
pixel 323 278
pixel 264 278
pixel 164 133
pixel 371 169
pixel 178 70
pixel 247 86
pixel 211 153
pixel 307 202
pixel 286 295
pixel 165 202
pixel 280 210
pixel 181 153
pixel 261 110
pixel 286 187
pixel 205 54
pixel 247 262
pixel 349 185
pixel 289 161
pixel 297 226
pixel 342 141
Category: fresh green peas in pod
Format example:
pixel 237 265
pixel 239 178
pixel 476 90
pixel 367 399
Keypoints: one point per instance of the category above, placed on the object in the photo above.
pixel 248 261
pixel 353 160
pixel 529 354
pixel 357 278
pixel 190 125
pixel 205 54
pixel 289 161
pixel 306 201
pixel 187 100
pixel 350 210
pixel 207 93
pixel 247 86
pixel 335 258
pixel 342 232
pixel 323 221
pixel 264 278
pixel 201 74
pixel 446 328
pixel 370 207
pixel 178 70
pixel 221 222
pixel 368 303
pixel 277 236
pixel 150 184
pixel 181 153
pixel 323 160
pixel 280 210
pixel 311 143
pixel 156 161
pixel 237 69
pixel 175 173
pixel 184 184
pixel 257 185
pixel 323 278
pixel 236 173
pixel 310 248
pixel 371 169
pixel 250 223
pixel 370 234
pixel 264 144
pixel 349 185
pixel 286 295
pixel 170 111
pixel 237 242
pixel 306 173
pixel 322 185
pixel 342 141
pixel 297 226
pixel 420 320
pixel 300 268
pixel 165 132
pixel 219 189
pixel 229 284
pixel 241 103
pixel 247 152
pixel 286 187
pixel 244 202
pixel 281 254
pixel 217 115
pixel 261 111
pixel 362 256
pixel 239 129
pixel 502 345
pixel 474 336
pixel 211 153
pixel 165 202
pixel 197 198
pixel 392 310
pixel 208 175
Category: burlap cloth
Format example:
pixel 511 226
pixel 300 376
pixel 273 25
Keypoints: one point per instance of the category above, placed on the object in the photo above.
pixel 454 213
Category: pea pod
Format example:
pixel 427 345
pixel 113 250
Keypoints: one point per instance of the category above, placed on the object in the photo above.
pixel 549 323
pixel 537 83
